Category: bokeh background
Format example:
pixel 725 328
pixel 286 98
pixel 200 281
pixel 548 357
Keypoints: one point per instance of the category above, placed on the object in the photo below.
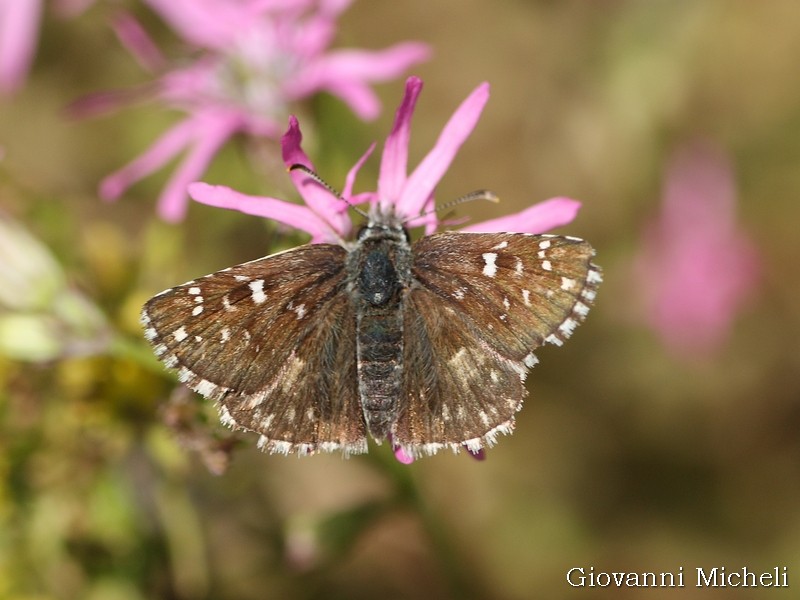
pixel 633 452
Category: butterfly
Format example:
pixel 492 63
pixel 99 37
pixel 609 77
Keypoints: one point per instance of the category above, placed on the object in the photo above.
pixel 426 344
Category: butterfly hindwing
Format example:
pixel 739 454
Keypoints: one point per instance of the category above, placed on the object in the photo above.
pixel 456 387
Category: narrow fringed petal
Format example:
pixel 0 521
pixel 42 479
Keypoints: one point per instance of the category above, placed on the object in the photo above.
pixel 317 197
pixel 348 74
pixel 165 148
pixel 394 162
pixel 292 215
pixel 137 41
pixel 209 136
pixel 422 182
pixel 538 218
pixel 350 180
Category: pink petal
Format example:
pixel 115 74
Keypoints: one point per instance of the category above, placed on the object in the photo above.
pixel 137 41
pixel 394 161
pixel 316 196
pixel 378 65
pixel 19 32
pixel 71 8
pixel 333 8
pixel 310 38
pixel 293 215
pixel 402 457
pixel 538 218
pixel 347 73
pixel 156 156
pixel 422 182
pixel 350 180
pixel 98 103
pixel 206 23
pixel 210 133
pixel 477 454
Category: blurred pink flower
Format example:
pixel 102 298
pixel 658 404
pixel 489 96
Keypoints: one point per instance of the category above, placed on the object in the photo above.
pixel 697 268
pixel 325 217
pixel 255 57
pixel 19 34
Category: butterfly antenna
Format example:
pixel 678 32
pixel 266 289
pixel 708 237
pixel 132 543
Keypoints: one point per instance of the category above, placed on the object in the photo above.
pixel 330 188
pixel 472 196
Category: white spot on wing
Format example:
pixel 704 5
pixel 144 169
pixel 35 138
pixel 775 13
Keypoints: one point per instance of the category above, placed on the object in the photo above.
pixel 567 283
pixel 553 339
pixel 280 447
pixel 197 310
pixel 500 246
pixel 581 309
pixel 180 334
pixel 225 417
pixel 526 297
pixel 594 276
pixel 257 288
pixel 205 388
pixel 490 266
pixel 568 326
pixel 194 291
pixel 544 245
pixel 546 265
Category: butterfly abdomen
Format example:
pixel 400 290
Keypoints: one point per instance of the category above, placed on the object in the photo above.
pixel 380 269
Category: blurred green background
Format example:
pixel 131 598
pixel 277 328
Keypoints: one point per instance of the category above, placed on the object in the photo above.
pixel 625 457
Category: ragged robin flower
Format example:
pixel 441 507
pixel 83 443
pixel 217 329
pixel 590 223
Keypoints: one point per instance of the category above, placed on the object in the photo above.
pixel 253 59
pixel 19 34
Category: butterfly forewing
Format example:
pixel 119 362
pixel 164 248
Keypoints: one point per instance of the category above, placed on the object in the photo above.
pixel 273 342
pixel 480 305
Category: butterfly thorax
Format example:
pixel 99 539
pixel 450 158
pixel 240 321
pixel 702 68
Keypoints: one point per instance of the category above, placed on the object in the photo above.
pixel 379 273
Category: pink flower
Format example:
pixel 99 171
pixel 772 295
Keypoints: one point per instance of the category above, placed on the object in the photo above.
pixel 697 268
pixel 19 34
pixel 254 58
pixel 406 196
pixel 325 216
